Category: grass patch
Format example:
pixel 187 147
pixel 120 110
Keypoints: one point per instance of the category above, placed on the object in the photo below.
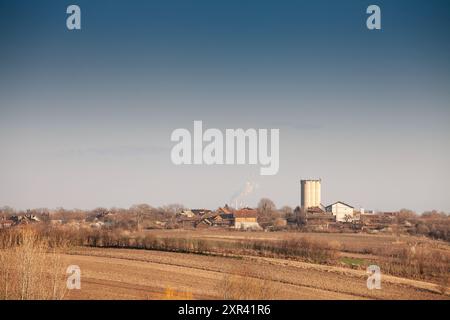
pixel 353 261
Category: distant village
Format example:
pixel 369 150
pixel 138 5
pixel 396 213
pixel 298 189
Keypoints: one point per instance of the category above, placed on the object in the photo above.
pixel 310 216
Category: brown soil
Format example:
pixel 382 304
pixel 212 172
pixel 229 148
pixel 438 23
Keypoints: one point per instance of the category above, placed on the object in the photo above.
pixel 142 274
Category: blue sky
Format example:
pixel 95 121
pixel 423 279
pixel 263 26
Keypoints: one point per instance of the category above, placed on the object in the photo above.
pixel 86 116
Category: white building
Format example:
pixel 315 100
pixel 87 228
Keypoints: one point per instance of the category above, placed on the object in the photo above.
pixel 246 219
pixel 342 211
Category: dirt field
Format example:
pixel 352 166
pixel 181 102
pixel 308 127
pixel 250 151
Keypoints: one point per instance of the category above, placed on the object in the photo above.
pixel 144 274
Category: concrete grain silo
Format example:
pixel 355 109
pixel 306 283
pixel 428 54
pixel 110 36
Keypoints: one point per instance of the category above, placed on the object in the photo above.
pixel 317 198
pixel 310 193
pixel 304 194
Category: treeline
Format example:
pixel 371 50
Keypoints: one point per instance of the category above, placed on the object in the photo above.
pixel 421 261
pixel 304 248
pixel 141 216
pixel 137 216
pixel 432 224
pixel 413 261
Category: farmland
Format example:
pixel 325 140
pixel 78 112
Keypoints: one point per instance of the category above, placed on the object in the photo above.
pixel 150 274
pixel 140 274
pixel 221 264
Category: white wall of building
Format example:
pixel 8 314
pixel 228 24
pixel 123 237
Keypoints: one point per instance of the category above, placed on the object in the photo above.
pixel 340 211
pixel 247 225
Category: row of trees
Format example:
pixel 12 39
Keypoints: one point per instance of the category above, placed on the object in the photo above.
pixel 431 223
pixel 139 211
pixel 266 210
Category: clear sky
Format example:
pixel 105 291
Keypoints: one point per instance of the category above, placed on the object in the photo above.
pixel 86 116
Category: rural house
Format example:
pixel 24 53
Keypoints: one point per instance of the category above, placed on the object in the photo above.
pixel 342 211
pixel 246 219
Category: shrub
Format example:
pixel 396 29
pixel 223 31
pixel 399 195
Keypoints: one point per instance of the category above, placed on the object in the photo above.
pixel 29 267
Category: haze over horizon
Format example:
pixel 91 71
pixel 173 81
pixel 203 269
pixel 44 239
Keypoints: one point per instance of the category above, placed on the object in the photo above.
pixel 86 116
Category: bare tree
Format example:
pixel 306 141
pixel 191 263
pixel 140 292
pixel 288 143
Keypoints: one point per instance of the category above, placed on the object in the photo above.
pixel 140 211
pixel 405 214
pixel 286 211
pixel 300 215
pixel 170 211
pixel 267 213
pixel 266 206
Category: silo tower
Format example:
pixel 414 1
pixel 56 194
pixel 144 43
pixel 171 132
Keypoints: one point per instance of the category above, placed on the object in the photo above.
pixel 310 193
